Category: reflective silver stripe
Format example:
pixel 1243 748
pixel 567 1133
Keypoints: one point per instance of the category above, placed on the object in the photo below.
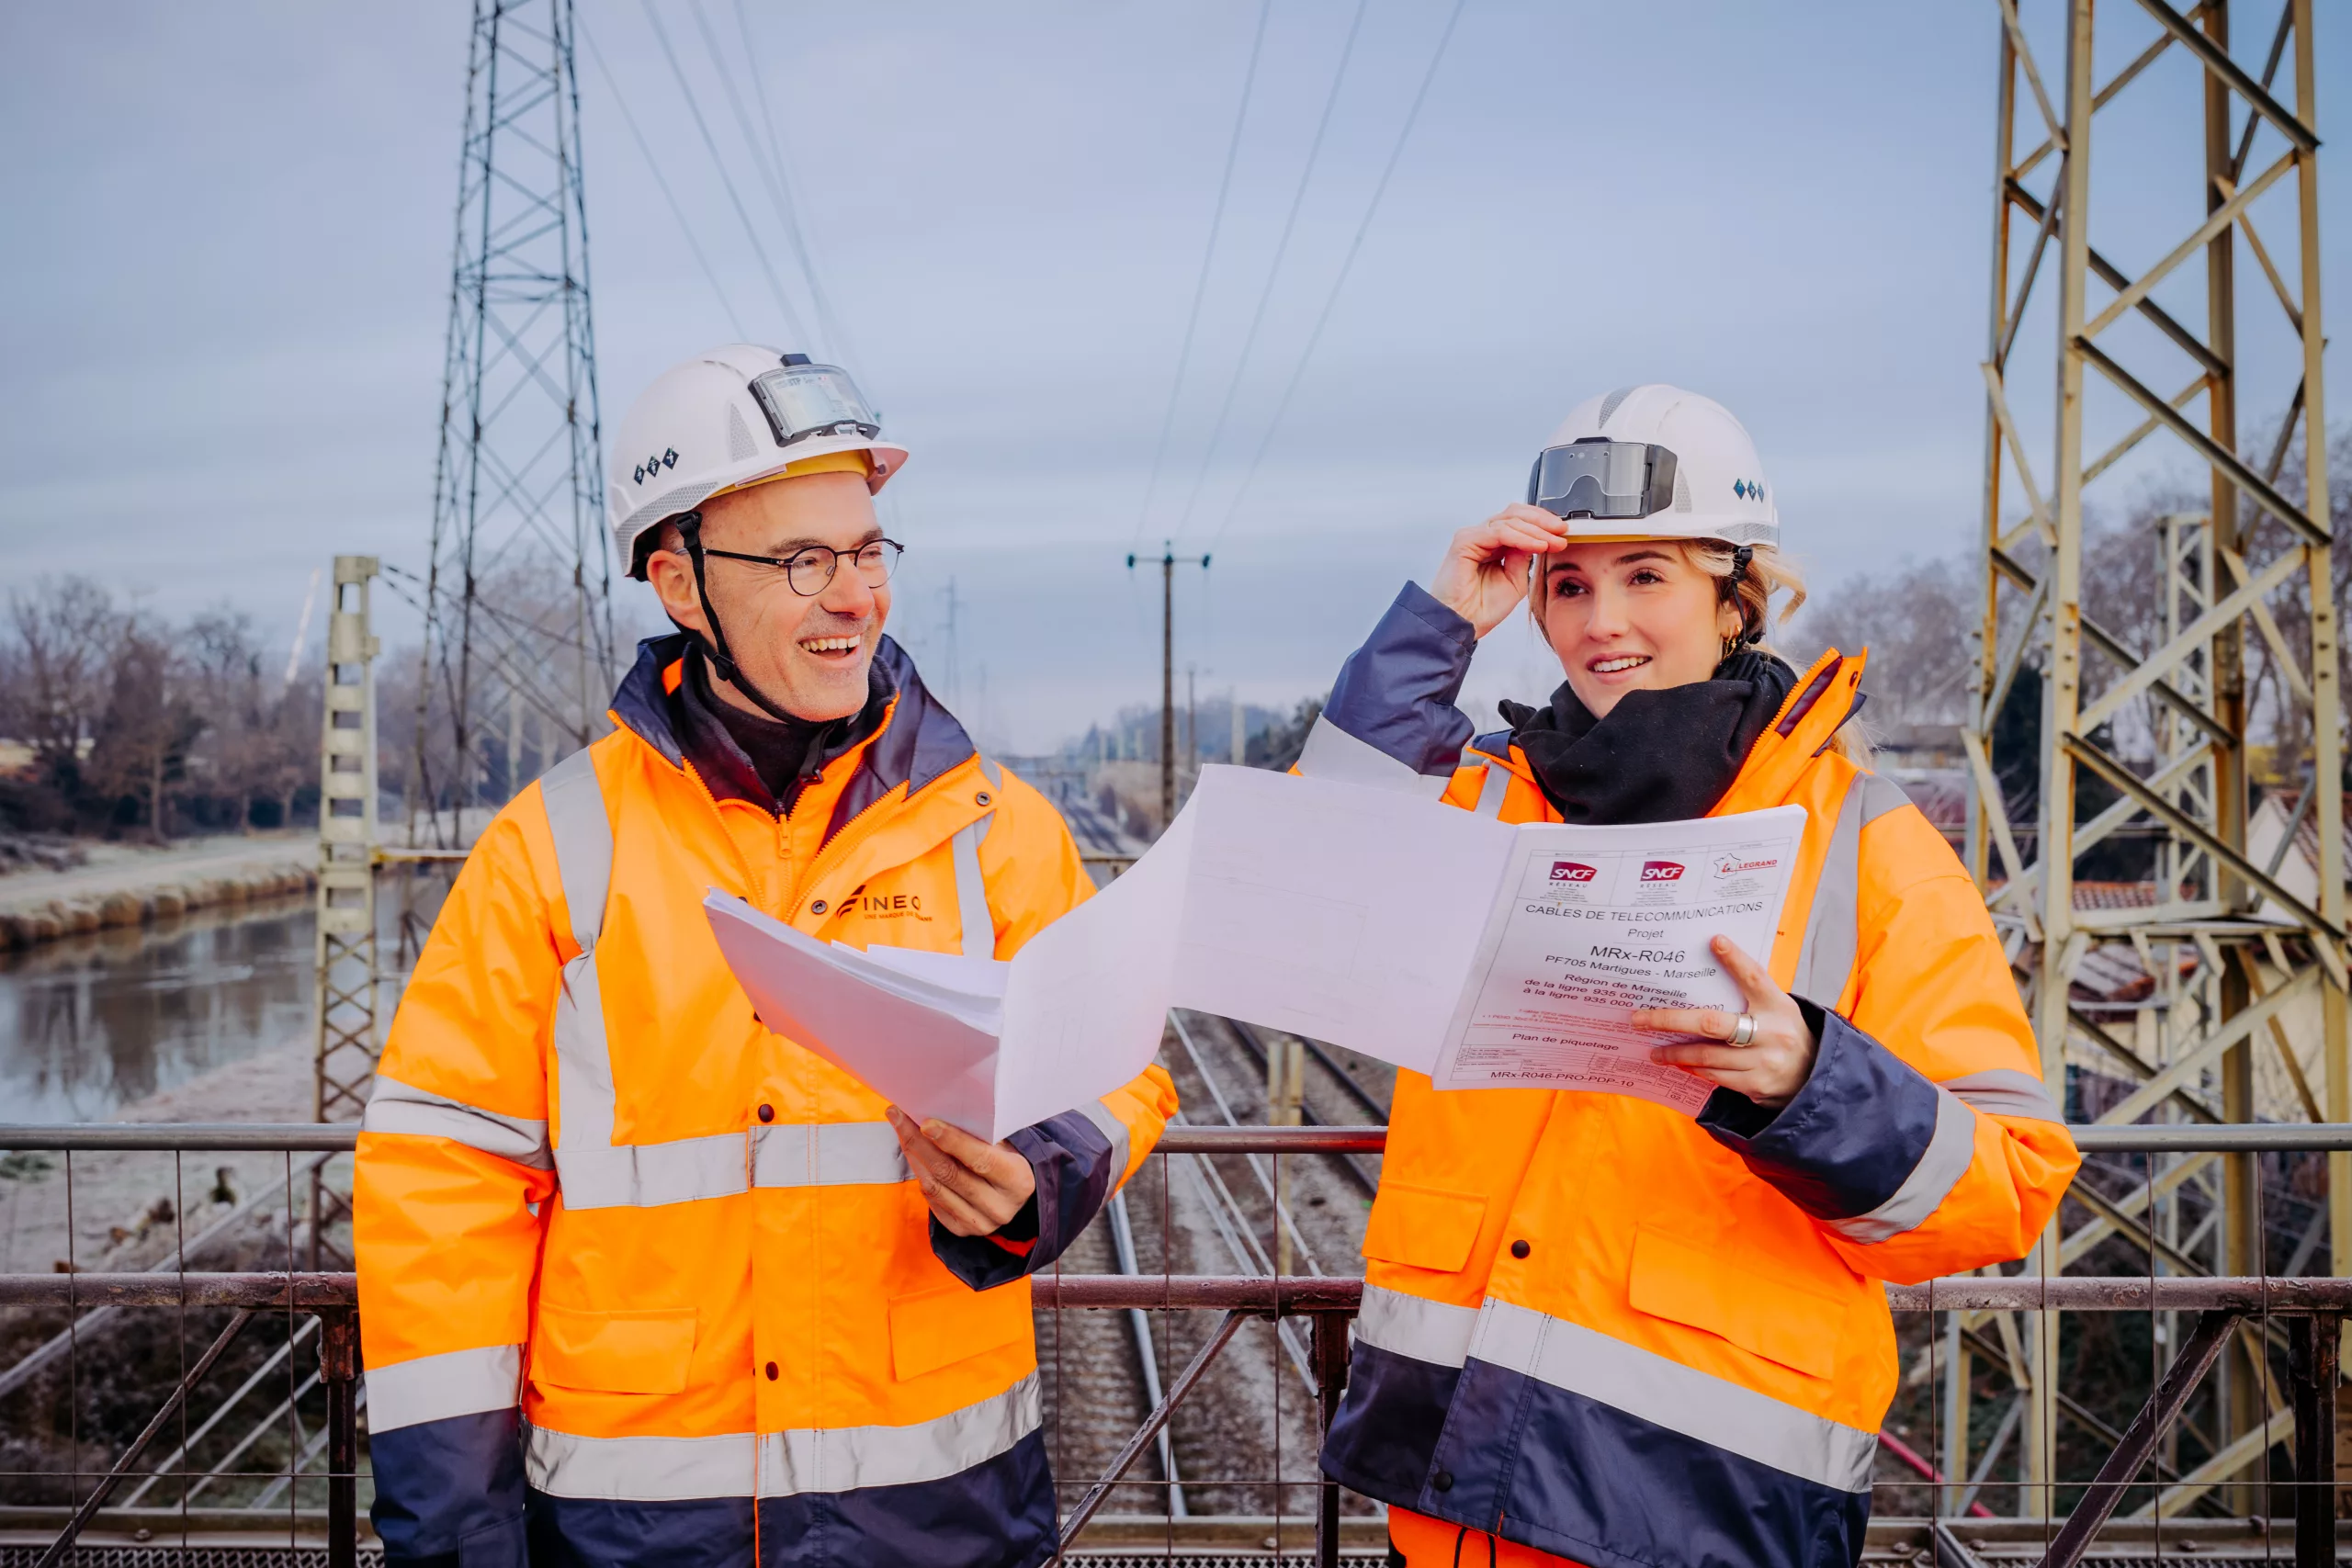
pixel 1951 1147
pixel 972 889
pixel 1332 753
pixel 847 1458
pixel 583 841
pixel 1491 792
pixel 834 1153
pixel 829 1154
pixel 780 1464
pixel 1879 796
pixel 1831 934
pixel 2003 1091
pixel 1107 1122
pixel 1665 1392
pixel 1405 1325
pixel 646 1176
pixel 396 1107
pixel 434 1388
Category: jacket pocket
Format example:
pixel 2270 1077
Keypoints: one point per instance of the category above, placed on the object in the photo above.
pixel 937 1328
pixel 646 1351
pixel 1723 1292
pixel 1423 1228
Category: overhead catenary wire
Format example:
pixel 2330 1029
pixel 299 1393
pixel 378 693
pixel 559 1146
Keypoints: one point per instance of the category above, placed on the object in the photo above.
pixel 796 227
pixel 1323 318
pixel 1274 268
pixel 1208 257
pixel 686 229
pixel 694 108
pixel 778 192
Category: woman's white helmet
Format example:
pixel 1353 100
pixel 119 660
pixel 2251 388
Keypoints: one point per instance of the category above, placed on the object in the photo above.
pixel 726 418
pixel 1655 462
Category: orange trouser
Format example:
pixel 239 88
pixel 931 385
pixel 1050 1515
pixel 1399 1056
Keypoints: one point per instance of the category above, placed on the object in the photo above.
pixel 1434 1543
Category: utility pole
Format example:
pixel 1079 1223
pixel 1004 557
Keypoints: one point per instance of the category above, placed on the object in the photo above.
pixel 1240 752
pixel 1192 721
pixel 955 685
pixel 1168 561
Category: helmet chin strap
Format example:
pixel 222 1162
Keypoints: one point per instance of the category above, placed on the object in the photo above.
pixel 714 646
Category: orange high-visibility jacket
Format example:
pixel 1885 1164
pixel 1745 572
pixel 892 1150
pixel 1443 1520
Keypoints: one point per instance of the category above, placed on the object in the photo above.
pixel 1598 1327
pixel 638 1269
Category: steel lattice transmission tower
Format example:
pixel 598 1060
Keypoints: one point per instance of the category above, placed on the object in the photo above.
pixel 518 594
pixel 2129 199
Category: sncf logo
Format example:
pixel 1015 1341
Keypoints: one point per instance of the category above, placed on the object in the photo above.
pixel 1661 871
pixel 1571 871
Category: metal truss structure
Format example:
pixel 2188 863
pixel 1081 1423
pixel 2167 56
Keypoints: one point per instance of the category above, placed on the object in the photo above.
pixel 518 619
pixel 347 1039
pixel 2165 735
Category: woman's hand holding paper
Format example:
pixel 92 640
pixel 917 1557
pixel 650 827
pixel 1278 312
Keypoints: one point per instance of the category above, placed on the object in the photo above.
pixel 1773 1063
pixel 972 1187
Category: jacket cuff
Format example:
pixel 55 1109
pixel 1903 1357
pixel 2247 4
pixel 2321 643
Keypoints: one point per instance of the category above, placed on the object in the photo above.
pixel 451 1491
pixel 1391 721
pixel 1870 1146
pixel 1077 1166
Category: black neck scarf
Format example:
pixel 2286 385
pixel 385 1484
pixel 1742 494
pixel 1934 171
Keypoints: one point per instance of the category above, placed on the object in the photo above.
pixel 1658 756
pixel 749 756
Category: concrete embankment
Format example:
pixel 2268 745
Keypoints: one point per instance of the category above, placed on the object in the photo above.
pixel 137 889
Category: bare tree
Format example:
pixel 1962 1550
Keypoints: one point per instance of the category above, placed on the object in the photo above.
pixel 1914 621
pixel 64 632
pixel 150 724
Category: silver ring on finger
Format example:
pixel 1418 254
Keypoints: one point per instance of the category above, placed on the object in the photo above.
pixel 1743 1029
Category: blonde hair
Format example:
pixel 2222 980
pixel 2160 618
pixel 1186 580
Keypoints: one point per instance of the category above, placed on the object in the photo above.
pixel 1768 573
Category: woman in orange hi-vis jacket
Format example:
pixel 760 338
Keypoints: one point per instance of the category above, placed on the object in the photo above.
pixel 641 1280
pixel 1596 1330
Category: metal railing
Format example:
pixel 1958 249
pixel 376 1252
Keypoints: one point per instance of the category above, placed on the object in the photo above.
pixel 2302 1316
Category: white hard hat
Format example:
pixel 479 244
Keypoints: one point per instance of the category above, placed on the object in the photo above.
pixel 1655 462
pixel 726 418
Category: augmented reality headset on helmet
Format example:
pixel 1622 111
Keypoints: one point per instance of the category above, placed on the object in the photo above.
pixel 804 401
pixel 1602 478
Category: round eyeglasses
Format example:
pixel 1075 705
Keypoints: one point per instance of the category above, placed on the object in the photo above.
pixel 810 568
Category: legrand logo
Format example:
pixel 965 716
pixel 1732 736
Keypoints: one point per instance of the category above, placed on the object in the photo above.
pixel 1732 865
pixel 1571 871
pixel 1661 871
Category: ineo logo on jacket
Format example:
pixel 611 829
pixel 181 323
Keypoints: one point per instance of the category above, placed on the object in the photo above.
pixel 1571 871
pixel 1661 871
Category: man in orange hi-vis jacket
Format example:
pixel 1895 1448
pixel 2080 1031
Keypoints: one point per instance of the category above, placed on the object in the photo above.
pixel 641 1280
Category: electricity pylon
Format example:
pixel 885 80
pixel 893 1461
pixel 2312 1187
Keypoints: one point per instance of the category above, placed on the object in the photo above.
pixel 2140 358
pixel 518 596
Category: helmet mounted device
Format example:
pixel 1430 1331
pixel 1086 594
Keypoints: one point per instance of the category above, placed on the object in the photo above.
pixel 805 400
pixel 1595 477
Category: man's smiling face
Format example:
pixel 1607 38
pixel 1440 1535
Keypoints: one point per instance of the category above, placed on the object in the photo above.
pixel 806 653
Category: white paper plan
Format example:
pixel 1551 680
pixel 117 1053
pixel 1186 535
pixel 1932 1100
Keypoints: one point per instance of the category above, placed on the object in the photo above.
pixel 1485 954
pixel 1598 921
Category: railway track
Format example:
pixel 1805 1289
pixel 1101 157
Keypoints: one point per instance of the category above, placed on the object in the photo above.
pixel 1245 1442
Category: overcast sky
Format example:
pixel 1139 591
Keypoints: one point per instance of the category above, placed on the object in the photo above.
pixel 224 284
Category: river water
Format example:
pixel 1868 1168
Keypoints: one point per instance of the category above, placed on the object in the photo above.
pixel 90 1024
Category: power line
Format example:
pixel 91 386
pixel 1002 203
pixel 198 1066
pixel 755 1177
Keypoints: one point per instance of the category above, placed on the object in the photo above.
pixel 1323 318
pixel 1201 288
pixel 685 230
pixel 661 36
pixel 804 246
pixel 1274 272
pixel 760 164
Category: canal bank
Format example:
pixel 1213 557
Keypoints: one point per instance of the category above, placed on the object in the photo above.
pixel 119 885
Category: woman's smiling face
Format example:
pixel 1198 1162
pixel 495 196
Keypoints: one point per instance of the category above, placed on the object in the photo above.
pixel 1632 615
